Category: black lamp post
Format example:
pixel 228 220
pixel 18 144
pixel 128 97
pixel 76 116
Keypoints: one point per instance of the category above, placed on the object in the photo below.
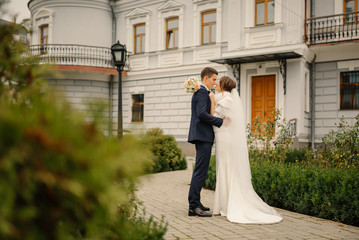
pixel 119 54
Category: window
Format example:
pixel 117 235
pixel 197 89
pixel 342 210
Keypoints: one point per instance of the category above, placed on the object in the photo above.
pixel 350 6
pixel 349 90
pixel 139 38
pixel 137 108
pixel 208 22
pixel 264 12
pixel 44 33
pixel 172 33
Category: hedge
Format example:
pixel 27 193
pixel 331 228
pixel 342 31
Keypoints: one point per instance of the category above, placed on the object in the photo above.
pixel 330 193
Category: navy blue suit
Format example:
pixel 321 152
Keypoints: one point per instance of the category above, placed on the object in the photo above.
pixel 202 135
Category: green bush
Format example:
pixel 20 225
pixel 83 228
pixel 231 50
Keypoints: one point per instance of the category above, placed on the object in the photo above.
pixel 167 156
pixel 343 145
pixel 61 178
pixel 210 181
pixel 295 155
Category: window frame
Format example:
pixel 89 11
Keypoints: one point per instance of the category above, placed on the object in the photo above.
pixel 173 30
pixel 140 36
pixel 355 10
pixel 209 25
pixel 42 37
pixel 353 92
pixel 265 12
pixel 141 112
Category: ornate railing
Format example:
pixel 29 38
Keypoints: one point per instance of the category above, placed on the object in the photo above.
pixel 333 28
pixel 77 55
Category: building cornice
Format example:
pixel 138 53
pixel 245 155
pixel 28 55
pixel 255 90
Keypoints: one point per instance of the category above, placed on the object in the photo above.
pixel 124 6
pixel 35 5
pixel 184 70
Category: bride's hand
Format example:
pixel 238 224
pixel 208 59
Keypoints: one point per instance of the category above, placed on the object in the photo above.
pixel 211 96
pixel 226 122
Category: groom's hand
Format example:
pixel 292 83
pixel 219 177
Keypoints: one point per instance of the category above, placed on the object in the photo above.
pixel 226 122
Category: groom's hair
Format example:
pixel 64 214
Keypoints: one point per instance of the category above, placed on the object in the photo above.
pixel 208 71
pixel 227 83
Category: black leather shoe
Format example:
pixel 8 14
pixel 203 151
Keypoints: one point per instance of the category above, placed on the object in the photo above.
pixel 203 207
pixel 198 212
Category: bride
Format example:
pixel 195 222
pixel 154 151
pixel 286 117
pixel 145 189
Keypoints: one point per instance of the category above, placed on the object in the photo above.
pixel 235 197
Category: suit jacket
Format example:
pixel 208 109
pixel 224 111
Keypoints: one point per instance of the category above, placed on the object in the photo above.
pixel 201 120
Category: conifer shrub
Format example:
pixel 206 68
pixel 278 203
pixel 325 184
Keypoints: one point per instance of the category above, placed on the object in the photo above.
pixel 210 181
pixel 166 154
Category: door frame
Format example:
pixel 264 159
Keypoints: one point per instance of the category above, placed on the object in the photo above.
pixel 279 103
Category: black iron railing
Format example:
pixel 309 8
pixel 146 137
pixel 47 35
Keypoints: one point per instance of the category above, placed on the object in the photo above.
pixel 77 55
pixel 333 28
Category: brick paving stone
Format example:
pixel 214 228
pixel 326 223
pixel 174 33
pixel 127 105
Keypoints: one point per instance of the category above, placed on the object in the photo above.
pixel 165 195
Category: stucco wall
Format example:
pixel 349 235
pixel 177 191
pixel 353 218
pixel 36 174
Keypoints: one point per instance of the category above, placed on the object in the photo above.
pixel 327 99
pixel 166 104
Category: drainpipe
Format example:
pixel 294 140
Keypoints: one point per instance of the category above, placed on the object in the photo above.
pixel 111 82
pixel 112 6
pixel 312 102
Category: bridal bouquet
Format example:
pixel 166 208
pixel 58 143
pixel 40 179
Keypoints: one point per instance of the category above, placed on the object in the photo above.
pixel 191 84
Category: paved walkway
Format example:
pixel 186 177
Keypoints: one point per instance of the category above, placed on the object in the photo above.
pixel 165 194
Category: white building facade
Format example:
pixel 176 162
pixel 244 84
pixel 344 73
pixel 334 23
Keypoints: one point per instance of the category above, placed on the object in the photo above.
pixel 280 52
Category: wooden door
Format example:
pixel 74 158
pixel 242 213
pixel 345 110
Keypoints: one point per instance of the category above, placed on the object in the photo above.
pixel 263 97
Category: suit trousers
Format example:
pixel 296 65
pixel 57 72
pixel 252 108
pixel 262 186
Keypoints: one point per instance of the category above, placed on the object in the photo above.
pixel 203 155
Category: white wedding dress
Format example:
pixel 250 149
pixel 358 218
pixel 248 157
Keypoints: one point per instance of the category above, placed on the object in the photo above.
pixel 235 197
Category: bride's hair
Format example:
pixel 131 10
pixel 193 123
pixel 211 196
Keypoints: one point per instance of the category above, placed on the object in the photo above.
pixel 227 83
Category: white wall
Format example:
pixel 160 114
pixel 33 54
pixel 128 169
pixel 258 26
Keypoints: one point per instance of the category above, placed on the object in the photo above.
pixel 327 96
pixel 81 25
pixel 295 96
pixel 75 22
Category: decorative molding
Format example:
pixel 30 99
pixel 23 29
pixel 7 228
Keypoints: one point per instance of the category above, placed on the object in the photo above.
pixel 137 12
pixel 203 1
pixel 136 16
pixel 171 59
pixel 43 16
pixel 170 9
pixel 139 89
pixel 351 65
pixel 263 36
pixel 200 6
pixel 170 5
pixel 43 13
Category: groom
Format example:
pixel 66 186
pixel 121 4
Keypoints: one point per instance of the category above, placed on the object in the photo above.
pixel 201 134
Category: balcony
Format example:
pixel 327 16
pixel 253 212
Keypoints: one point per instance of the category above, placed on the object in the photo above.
pixel 74 55
pixel 332 29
